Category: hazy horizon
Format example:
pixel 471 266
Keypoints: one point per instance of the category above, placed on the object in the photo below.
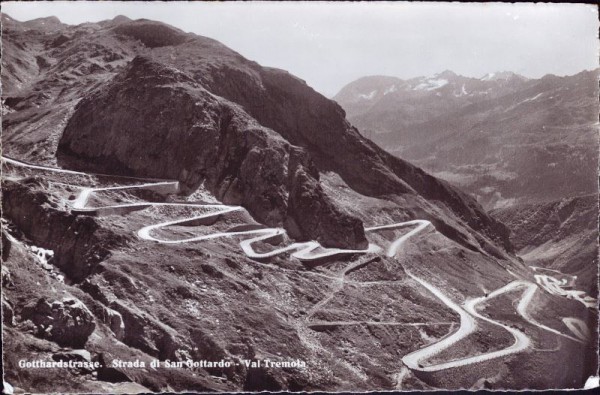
pixel 332 44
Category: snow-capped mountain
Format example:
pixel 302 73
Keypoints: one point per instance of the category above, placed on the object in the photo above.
pixel 377 93
pixel 450 124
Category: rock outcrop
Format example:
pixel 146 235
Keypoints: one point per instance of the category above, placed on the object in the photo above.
pixel 149 33
pixel 7 309
pixel 6 245
pixel 79 243
pixel 8 313
pixel 126 128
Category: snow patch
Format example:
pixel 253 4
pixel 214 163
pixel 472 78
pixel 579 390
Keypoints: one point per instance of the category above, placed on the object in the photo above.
pixel 390 90
pixel 533 98
pixel 463 92
pixel 430 84
pixel 368 96
pixel 488 76
pixel 529 99
pixel 425 336
pixel 42 255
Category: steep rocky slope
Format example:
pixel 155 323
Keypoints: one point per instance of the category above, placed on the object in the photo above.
pixel 143 99
pixel 503 138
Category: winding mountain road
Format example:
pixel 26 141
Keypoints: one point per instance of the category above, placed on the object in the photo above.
pixel 312 250
pixel 558 287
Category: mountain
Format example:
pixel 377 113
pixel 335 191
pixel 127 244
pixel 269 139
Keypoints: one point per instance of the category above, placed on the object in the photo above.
pixel 198 68
pixel 380 104
pixel 503 138
pixel 166 199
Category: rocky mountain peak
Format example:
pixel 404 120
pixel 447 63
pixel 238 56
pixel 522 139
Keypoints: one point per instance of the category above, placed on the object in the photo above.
pixel 142 67
pixel 448 74
pixel 503 76
pixel 49 20
pixel 121 19
pixel 152 34
pixel 5 17
pixel 47 24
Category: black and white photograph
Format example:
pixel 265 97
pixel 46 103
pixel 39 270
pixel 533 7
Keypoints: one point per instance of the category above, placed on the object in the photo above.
pixel 299 196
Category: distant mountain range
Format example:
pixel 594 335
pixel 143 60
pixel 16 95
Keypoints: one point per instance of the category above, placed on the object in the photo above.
pixel 504 138
pixel 390 100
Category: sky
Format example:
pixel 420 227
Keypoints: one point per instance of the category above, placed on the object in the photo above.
pixel 331 44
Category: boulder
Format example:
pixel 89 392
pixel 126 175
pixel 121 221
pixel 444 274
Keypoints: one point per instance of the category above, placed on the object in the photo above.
pixel 67 322
pixel 146 333
pixel 73 355
pixel 108 373
pixel 6 278
pixel 115 322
